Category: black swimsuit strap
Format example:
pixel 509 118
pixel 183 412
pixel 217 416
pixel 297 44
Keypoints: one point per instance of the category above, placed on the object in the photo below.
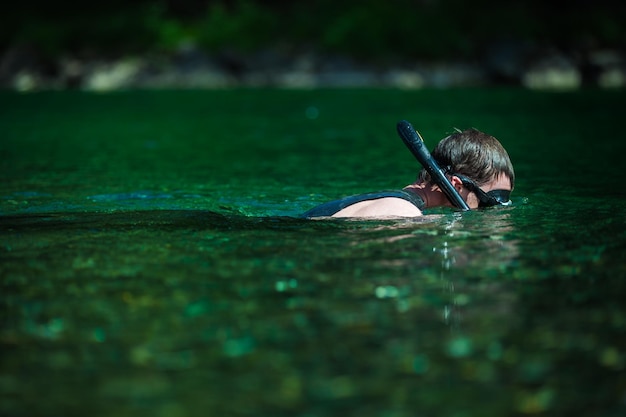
pixel 332 207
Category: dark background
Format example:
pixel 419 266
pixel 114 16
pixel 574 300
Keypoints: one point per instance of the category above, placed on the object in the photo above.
pixel 375 32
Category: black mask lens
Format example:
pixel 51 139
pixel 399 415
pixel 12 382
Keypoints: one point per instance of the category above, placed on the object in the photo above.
pixel 486 199
pixel 501 197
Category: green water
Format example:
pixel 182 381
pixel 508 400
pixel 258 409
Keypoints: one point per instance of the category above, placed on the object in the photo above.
pixel 152 262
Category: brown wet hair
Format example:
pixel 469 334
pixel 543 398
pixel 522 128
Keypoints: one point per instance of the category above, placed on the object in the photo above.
pixel 474 154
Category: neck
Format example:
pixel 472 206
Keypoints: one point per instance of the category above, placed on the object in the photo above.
pixel 430 193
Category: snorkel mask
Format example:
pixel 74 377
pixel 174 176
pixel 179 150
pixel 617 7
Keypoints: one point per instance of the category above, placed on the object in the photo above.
pixel 415 143
pixel 489 198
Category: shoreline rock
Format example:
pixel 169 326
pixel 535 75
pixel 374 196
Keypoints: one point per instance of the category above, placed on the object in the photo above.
pixel 22 70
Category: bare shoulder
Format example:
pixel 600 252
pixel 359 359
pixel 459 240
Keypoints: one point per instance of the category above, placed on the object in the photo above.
pixel 382 207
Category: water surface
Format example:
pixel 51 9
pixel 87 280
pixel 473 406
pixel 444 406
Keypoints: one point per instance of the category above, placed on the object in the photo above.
pixel 153 263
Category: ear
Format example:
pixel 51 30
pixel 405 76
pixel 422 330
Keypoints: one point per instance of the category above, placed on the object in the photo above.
pixel 456 183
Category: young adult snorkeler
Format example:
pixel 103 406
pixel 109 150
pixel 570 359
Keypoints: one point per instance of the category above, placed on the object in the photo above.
pixel 475 164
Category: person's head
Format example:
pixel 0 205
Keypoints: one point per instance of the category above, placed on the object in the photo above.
pixel 474 161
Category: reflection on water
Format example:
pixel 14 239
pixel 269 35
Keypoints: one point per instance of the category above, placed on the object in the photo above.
pixel 337 291
pixel 178 310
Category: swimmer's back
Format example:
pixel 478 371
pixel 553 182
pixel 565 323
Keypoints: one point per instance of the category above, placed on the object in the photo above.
pixel 398 202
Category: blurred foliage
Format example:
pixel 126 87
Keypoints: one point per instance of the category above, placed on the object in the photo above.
pixel 363 28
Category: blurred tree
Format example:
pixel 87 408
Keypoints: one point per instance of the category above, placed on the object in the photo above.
pixel 378 29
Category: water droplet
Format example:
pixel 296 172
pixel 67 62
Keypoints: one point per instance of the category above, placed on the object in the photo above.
pixel 460 347
pixel 386 291
pixel 420 364
pixel 285 285
pixel 238 347
pixel 312 112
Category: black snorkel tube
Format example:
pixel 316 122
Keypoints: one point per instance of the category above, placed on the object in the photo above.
pixel 415 143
